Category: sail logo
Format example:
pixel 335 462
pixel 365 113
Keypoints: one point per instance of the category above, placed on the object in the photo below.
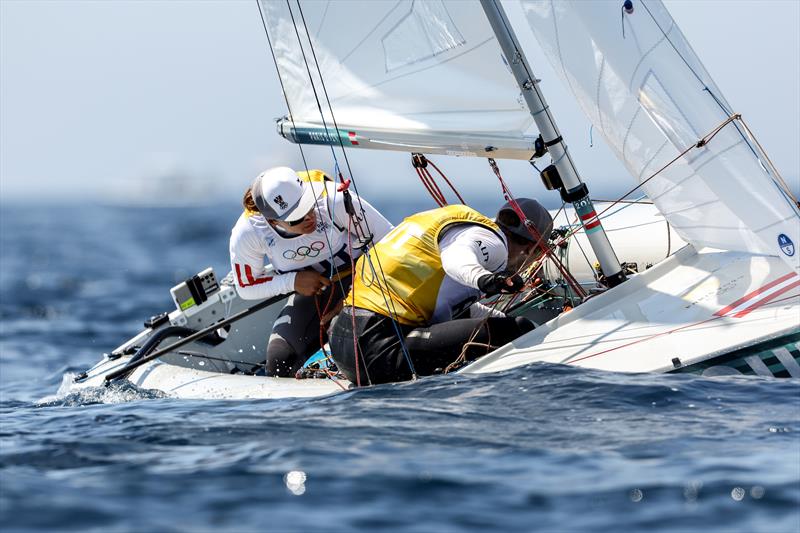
pixel 786 244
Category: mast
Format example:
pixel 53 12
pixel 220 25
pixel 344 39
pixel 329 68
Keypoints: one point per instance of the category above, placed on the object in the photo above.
pixel 572 189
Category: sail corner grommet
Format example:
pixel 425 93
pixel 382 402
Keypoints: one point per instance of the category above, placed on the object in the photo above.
pixel 627 5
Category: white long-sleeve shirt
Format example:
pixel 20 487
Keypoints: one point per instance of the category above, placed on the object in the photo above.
pixel 256 245
pixel 468 252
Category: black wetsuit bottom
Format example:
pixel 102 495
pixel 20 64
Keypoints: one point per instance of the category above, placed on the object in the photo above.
pixel 296 331
pixel 432 348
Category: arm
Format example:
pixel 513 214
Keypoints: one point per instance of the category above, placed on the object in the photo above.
pixel 247 262
pixel 470 251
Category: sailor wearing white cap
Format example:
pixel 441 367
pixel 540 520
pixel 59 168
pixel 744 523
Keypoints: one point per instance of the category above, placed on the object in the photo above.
pixel 293 237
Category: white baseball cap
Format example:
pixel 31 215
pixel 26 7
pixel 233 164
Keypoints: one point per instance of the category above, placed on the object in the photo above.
pixel 280 194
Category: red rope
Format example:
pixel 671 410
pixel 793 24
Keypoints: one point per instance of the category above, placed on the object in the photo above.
pixel 433 190
pixel 538 238
pixel 420 163
pixel 434 185
pixel 460 199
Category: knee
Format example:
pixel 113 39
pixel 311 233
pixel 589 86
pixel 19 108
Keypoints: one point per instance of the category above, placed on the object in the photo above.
pixel 523 325
pixel 282 360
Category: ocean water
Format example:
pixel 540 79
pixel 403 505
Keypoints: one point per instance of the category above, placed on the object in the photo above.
pixel 540 448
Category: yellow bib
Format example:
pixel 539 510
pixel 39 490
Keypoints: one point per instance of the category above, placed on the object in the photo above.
pixel 411 264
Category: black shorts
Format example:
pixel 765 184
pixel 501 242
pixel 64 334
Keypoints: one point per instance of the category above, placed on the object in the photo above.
pixel 431 349
pixel 296 331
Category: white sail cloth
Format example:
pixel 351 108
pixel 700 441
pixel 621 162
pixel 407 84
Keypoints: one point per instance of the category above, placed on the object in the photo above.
pixel 640 83
pixel 404 65
pixel 435 66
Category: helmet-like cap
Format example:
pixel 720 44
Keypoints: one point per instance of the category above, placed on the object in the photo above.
pixel 280 194
pixel 538 216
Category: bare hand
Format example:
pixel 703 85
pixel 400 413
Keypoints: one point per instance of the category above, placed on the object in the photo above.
pixel 310 283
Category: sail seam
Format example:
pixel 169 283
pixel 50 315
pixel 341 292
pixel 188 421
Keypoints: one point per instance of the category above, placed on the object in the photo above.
pixel 597 94
pixel 455 56
pixel 370 32
pixel 650 161
pixel 725 109
pixel 676 184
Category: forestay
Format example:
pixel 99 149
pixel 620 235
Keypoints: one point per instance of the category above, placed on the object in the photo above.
pixel 405 75
pixel 642 86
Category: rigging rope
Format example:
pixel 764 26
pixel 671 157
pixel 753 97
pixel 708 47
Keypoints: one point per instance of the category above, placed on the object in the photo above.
pixel 368 246
pixel 699 144
pixel 420 164
pixel 781 182
pixel 539 240
pixel 335 273
pixel 302 153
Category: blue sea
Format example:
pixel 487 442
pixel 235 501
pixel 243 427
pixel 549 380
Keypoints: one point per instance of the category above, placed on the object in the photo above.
pixel 540 448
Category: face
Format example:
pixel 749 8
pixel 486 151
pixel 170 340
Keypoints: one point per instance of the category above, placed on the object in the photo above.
pixel 519 254
pixel 301 227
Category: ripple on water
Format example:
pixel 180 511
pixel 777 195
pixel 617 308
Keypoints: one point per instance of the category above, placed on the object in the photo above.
pixel 545 447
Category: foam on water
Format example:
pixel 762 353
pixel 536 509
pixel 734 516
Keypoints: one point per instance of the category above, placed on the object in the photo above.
pixel 69 395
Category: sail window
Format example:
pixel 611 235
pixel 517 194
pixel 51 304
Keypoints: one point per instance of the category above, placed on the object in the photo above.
pixel 425 31
pixel 665 114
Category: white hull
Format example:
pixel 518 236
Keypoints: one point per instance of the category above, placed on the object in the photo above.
pixel 672 316
pixel 729 301
pixel 638 233
pixel 190 383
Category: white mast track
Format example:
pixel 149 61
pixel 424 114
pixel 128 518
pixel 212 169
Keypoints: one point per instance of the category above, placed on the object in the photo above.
pixel 573 190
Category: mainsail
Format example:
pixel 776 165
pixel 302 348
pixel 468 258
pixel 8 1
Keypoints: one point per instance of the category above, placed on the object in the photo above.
pixel 429 76
pixel 643 87
pixel 407 75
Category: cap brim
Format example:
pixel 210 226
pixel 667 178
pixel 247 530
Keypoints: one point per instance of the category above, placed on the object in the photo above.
pixel 306 203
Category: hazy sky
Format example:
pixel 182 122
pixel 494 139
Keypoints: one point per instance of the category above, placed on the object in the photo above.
pixel 94 95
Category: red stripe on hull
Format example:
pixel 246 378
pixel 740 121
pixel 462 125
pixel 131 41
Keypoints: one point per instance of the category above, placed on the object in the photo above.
pixel 769 298
pixel 743 299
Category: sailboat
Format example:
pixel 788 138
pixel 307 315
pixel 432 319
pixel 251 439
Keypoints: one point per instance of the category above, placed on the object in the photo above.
pixel 451 77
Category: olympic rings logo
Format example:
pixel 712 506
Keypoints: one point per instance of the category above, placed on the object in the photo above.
pixel 304 251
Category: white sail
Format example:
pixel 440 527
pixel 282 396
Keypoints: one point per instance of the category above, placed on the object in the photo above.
pixel 409 75
pixel 642 86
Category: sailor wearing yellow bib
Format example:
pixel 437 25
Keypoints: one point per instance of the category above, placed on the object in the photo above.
pixel 292 237
pixel 429 273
